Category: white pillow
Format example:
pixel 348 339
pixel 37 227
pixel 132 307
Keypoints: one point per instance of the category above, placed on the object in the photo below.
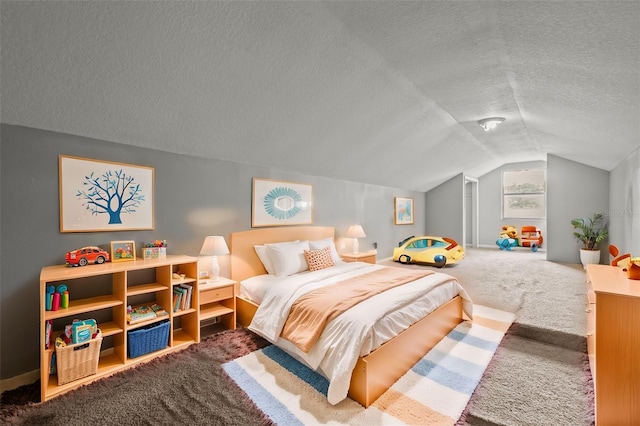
pixel 288 258
pixel 327 242
pixel 263 254
pixel 265 258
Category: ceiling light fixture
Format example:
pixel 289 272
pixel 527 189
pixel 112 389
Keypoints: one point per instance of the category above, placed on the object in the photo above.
pixel 490 123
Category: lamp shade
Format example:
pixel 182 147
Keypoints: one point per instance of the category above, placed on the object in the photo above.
pixel 355 231
pixel 214 246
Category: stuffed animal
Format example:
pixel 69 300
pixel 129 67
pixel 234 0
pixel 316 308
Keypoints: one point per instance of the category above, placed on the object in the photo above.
pixel 508 238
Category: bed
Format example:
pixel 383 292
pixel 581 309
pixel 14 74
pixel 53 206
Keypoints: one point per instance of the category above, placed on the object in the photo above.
pixel 378 363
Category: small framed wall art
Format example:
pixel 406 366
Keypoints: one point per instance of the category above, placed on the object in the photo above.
pixel 98 195
pixel 278 203
pixel 403 211
pixel 122 251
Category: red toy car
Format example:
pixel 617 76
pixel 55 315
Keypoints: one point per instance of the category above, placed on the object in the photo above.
pixel 85 255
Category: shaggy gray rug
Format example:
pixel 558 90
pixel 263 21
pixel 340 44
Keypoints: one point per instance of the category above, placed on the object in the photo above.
pixel 186 387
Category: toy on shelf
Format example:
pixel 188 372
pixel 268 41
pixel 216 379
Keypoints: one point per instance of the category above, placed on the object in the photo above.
pixel 57 297
pixel 85 255
pixel 508 238
pixel 156 249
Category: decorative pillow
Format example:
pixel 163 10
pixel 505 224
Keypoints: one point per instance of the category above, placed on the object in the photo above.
pixel 319 259
pixel 288 258
pixel 327 242
pixel 263 254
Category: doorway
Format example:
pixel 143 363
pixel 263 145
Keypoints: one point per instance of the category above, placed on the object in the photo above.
pixel 470 228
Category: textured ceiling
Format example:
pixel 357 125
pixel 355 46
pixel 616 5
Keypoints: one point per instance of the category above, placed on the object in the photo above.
pixel 387 93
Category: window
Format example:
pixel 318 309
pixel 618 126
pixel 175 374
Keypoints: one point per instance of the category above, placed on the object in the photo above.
pixel 523 194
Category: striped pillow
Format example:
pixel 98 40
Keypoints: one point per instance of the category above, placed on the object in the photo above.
pixel 319 259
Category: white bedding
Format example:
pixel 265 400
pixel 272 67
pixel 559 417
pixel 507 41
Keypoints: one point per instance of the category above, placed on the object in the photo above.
pixel 368 324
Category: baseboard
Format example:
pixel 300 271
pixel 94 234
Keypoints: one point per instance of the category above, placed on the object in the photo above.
pixel 17 381
pixel 31 376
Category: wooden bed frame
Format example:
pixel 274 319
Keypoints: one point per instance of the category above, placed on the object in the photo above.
pixel 376 372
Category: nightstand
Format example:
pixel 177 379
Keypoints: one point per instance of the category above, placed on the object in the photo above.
pixel 367 256
pixel 218 299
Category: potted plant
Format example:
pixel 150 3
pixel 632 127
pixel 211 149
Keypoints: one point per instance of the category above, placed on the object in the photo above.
pixel 590 231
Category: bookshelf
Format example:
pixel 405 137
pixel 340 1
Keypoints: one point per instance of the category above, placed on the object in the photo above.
pixel 103 292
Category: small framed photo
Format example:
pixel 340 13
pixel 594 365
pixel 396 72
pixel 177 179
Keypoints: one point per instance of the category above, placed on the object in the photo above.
pixel 403 211
pixel 122 251
pixel 151 253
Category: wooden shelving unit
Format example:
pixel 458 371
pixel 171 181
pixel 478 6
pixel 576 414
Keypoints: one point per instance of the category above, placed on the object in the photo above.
pixel 103 292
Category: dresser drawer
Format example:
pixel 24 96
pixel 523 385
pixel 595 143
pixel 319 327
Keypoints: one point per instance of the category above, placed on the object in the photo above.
pixel 215 294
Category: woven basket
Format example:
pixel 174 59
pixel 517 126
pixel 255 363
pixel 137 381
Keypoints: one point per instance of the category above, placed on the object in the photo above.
pixel 77 361
pixel 147 339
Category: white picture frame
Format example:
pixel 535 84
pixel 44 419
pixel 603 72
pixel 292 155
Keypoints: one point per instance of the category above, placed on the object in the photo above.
pixel 85 186
pixel 281 203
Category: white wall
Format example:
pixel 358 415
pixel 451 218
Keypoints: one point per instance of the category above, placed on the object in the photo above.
pixel 490 200
pixel 624 205
pixel 574 190
pixel 444 215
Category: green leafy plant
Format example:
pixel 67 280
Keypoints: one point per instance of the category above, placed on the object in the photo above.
pixel 590 231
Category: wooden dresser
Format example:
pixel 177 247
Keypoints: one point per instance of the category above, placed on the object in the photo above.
pixel 613 343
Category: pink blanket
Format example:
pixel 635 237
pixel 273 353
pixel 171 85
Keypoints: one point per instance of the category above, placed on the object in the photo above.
pixel 310 313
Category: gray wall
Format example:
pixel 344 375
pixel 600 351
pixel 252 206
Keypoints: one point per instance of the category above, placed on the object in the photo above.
pixel 490 205
pixel 624 205
pixel 574 190
pixel 445 209
pixel 194 197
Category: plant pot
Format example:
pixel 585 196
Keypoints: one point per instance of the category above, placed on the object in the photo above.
pixel 589 257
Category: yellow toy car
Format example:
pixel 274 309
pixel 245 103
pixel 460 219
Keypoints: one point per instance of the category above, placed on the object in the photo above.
pixel 437 251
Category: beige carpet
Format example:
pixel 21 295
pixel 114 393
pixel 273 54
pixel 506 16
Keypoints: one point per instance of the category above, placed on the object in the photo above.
pixel 538 375
pixel 548 298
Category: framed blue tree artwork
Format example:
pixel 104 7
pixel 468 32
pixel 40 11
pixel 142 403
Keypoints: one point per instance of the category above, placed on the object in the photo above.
pixel 100 195
pixel 278 203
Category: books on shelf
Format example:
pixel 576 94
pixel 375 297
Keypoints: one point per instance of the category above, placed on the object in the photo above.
pixel 140 313
pixel 189 289
pixel 159 310
pixel 182 297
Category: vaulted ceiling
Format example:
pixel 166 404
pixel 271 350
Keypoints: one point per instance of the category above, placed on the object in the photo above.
pixel 386 92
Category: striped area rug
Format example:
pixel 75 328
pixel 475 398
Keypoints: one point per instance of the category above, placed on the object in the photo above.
pixel 434 392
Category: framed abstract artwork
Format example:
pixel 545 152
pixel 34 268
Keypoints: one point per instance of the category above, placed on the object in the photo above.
pixel 99 195
pixel 523 194
pixel 278 203
pixel 403 211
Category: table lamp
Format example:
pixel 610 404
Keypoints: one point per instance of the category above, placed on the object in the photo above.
pixel 355 232
pixel 214 246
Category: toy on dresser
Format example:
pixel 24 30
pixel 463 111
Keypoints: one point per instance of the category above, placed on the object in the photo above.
pixel 633 268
